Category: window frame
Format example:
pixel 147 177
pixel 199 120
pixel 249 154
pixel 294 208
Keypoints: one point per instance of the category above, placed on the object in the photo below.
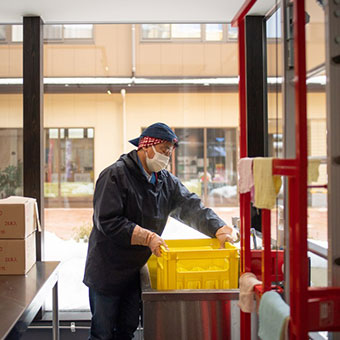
pixel 202 39
pixel 62 40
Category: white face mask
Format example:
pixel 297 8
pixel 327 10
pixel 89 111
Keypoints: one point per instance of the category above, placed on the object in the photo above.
pixel 158 162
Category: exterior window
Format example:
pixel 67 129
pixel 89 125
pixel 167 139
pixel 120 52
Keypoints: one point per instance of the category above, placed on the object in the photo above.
pixel 56 33
pixel 78 31
pixel 155 31
pixel 69 166
pixel 232 32
pixel 17 33
pixel 186 31
pixel 3 33
pixel 213 32
pixel 53 32
pixel 176 32
pixel 206 163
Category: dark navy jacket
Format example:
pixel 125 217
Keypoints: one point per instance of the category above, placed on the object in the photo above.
pixel 123 197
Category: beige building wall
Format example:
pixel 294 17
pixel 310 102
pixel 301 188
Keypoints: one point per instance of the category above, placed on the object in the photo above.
pixel 105 114
pixel 110 55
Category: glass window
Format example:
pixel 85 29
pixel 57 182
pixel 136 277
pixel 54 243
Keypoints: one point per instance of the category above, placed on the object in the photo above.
pixel 3 33
pixel 68 168
pixel 221 168
pixel 232 32
pixel 53 32
pixel 275 138
pixel 53 133
pixel 78 31
pixel 90 133
pixel 17 33
pixel 206 164
pixel 57 32
pixel 192 31
pixel 75 133
pixel 273 25
pixel 155 31
pixel 213 32
pixel 204 120
pixel 189 163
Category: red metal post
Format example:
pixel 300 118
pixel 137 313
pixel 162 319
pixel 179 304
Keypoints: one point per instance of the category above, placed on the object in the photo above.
pixel 299 276
pixel 244 198
pixel 266 251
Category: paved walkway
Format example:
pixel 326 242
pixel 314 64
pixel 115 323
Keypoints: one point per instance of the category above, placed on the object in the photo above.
pixel 65 222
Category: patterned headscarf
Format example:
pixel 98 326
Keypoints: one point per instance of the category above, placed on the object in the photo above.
pixel 148 141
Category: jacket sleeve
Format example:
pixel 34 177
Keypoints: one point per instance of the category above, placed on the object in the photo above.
pixel 189 209
pixel 108 209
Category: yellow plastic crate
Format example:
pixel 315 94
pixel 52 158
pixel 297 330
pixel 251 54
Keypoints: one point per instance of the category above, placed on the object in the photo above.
pixel 195 264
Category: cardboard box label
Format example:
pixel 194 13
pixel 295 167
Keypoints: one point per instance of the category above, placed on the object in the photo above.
pixel 17 256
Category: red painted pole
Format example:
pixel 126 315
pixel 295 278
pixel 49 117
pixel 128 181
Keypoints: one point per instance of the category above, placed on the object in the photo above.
pixel 244 198
pixel 266 251
pixel 299 276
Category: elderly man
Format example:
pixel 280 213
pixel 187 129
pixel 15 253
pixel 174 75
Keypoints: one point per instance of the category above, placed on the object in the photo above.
pixel 132 202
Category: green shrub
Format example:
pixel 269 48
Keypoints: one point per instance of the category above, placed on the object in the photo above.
pixel 83 232
pixel 11 180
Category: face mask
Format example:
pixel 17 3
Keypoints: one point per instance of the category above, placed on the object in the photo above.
pixel 158 162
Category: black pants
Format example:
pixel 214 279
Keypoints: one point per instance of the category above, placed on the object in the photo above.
pixel 114 317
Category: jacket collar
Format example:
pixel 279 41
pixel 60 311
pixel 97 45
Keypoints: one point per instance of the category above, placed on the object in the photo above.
pixel 131 161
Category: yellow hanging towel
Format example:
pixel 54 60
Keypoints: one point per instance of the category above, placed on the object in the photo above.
pixel 313 170
pixel 266 185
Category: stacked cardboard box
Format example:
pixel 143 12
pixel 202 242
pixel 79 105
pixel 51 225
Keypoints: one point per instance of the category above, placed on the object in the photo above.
pixel 18 224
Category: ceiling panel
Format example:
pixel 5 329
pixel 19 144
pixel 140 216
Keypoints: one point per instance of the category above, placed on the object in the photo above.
pixel 121 11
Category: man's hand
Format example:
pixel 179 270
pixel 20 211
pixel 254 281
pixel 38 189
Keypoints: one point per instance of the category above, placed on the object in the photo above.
pixel 145 237
pixel 227 234
pixel 155 244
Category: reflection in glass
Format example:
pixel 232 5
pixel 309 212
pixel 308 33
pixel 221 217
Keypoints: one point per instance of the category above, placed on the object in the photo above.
pixel 274 25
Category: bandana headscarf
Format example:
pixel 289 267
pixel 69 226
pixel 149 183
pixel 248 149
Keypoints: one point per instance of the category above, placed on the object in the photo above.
pixel 148 141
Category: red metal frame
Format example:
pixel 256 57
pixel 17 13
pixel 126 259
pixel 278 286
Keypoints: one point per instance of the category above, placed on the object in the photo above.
pixel 266 253
pixel 321 305
pixel 245 331
pixel 277 260
pixel 247 5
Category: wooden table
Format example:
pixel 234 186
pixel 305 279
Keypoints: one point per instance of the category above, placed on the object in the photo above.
pixel 21 297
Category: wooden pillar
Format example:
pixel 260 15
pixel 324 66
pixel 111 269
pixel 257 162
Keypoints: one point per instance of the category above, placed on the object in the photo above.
pixel 256 89
pixel 33 93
